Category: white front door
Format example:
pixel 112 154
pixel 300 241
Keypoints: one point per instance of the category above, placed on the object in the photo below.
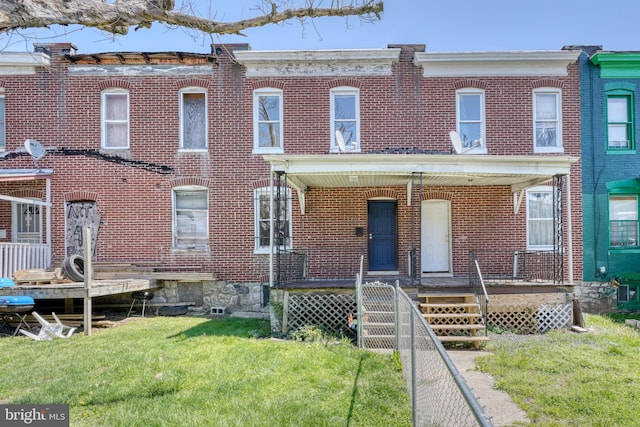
pixel 435 242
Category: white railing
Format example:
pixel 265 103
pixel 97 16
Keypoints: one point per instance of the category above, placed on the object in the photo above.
pixel 23 256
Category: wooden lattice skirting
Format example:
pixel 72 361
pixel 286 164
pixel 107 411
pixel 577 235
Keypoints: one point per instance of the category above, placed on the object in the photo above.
pixel 329 311
pixel 531 320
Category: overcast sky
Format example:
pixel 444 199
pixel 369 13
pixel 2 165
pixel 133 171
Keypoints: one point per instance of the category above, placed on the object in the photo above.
pixel 442 25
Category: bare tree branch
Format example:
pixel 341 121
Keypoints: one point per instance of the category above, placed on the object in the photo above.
pixel 119 16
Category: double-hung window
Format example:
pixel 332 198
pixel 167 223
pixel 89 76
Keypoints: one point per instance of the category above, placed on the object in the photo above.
pixel 191 218
pixel 470 121
pixel 345 119
pixel 281 218
pixel 547 121
pixel 115 119
pixel 619 121
pixel 540 218
pixel 193 119
pixel 3 139
pixel 27 223
pixel 623 221
pixel 267 121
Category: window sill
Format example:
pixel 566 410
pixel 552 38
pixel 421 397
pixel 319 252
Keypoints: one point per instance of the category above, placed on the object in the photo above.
pixel 185 251
pixel 265 251
pixel 545 150
pixel 193 150
pixel 620 151
pixel 624 250
pixel 268 151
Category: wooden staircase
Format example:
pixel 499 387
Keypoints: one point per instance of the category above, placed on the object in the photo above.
pixel 454 317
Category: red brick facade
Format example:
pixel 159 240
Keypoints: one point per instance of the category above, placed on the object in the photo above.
pixel 133 189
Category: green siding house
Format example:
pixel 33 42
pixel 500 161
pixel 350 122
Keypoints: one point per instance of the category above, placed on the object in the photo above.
pixel 610 105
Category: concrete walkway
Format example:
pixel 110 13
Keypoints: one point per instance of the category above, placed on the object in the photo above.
pixel 496 403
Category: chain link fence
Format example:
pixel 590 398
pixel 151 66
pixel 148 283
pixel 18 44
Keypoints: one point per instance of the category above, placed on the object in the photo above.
pixel 389 319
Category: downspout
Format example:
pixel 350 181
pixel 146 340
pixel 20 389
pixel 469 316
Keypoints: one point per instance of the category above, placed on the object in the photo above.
pixel 47 214
pixel 569 232
pixel 271 205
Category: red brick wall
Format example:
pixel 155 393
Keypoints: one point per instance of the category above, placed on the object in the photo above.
pixel 401 110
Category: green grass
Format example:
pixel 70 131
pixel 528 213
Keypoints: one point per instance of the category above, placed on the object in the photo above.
pixel 571 379
pixel 187 371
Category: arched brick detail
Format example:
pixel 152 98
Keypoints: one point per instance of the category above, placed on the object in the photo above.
pixel 30 193
pixel 466 83
pixel 76 196
pixel 114 83
pixel 437 195
pixel 189 180
pixel 193 82
pixel 345 82
pixel 382 192
pixel 262 183
pixel 265 83
pixel 546 83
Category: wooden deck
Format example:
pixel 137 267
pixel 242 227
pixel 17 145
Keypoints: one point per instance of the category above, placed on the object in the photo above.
pixel 97 288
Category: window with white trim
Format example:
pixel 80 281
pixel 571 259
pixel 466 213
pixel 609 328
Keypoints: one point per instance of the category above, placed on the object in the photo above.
pixel 191 218
pixel 623 221
pixel 619 121
pixel 540 218
pixel 27 222
pixel 281 217
pixel 3 138
pixel 115 119
pixel 193 119
pixel 267 121
pixel 547 120
pixel 470 123
pixel 345 118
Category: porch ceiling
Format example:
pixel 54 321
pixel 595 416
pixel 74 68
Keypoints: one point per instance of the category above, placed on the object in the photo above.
pixel 379 170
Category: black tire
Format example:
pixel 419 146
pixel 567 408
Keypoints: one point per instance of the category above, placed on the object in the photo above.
pixel 174 310
pixel 73 267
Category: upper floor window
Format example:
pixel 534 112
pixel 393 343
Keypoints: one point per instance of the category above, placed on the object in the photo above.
pixel 267 120
pixel 193 119
pixel 547 121
pixel 115 119
pixel 619 121
pixel 540 218
pixel 470 121
pixel 345 118
pixel 3 138
pixel 623 221
pixel 191 218
pixel 281 218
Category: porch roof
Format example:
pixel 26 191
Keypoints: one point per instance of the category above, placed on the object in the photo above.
pixel 374 170
pixel 24 174
pixel 384 170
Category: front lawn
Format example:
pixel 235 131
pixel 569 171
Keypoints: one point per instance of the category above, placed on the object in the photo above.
pixel 564 378
pixel 188 371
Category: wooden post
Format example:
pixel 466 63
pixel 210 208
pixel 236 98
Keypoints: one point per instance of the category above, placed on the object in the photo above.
pixel 87 280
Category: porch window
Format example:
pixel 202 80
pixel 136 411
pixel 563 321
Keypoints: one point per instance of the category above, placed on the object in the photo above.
pixel 345 117
pixel 27 223
pixel 193 119
pixel 619 121
pixel 191 218
pixel 547 121
pixel 3 139
pixel 623 221
pixel 282 219
pixel 540 218
pixel 267 121
pixel 115 119
pixel 470 119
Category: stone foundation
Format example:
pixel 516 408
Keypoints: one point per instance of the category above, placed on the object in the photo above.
pixel 597 297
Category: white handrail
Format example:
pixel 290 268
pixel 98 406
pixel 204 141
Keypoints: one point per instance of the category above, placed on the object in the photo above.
pixel 23 256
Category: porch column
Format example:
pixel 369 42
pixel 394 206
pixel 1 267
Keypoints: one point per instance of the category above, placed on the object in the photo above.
pixel 569 232
pixel 47 213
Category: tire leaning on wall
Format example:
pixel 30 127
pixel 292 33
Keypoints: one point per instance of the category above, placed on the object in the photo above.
pixel 73 268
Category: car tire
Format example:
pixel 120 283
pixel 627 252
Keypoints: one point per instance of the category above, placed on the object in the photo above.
pixel 73 267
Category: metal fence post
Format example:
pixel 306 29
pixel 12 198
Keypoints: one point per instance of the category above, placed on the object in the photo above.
pixel 414 388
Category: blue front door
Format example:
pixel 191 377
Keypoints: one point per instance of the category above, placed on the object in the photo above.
pixel 383 236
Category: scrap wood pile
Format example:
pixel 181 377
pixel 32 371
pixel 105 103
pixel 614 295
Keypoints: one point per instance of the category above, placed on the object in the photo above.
pixel 39 276
pixel 74 320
